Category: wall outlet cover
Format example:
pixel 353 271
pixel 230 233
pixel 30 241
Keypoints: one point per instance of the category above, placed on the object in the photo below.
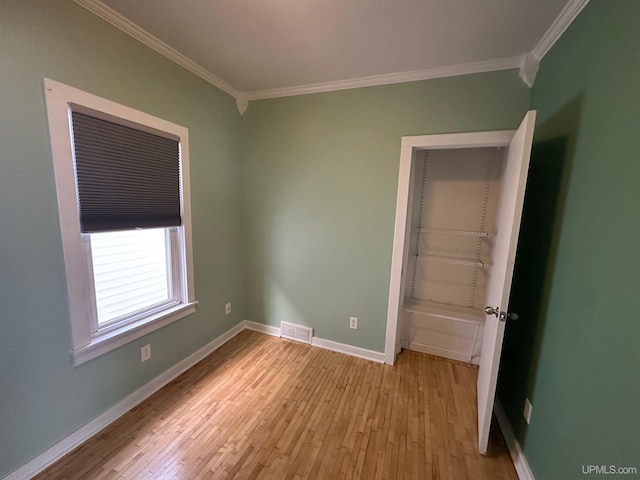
pixel 353 322
pixel 527 410
pixel 145 352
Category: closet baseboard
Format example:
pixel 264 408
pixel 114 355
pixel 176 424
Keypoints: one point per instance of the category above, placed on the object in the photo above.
pixel 442 352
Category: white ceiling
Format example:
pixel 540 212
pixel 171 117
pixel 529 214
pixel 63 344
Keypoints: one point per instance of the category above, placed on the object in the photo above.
pixel 263 48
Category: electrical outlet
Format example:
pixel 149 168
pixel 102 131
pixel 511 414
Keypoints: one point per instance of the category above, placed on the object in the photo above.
pixel 145 352
pixel 527 410
pixel 227 308
pixel 353 322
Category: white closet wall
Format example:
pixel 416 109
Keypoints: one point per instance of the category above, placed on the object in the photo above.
pixel 454 203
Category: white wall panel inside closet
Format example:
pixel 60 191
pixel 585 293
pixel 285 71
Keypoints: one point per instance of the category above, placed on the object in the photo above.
pixel 454 204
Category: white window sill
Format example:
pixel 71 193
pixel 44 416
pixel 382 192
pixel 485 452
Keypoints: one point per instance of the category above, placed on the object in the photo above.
pixel 104 343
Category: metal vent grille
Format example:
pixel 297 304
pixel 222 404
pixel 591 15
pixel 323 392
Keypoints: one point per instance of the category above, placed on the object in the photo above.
pixel 296 332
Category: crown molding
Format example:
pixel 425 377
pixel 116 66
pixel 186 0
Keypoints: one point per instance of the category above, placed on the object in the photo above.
pixel 391 78
pixel 242 103
pixel 527 64
pixel 114 18
pixel 558 27
pixel 529 69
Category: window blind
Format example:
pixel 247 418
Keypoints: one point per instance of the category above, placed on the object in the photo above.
pixel 126 178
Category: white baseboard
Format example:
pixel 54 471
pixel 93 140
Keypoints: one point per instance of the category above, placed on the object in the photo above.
pixel 67 444
pixel 261 327
pixel 348 349
pixel 517 455
pixel 322 343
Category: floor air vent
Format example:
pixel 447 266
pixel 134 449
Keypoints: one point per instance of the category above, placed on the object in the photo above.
pixel 296 332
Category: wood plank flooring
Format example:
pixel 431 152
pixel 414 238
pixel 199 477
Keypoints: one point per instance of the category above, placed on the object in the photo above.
pixel 261 407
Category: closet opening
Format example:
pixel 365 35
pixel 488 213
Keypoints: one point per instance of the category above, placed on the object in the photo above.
pixel 457 223
pixel 451 233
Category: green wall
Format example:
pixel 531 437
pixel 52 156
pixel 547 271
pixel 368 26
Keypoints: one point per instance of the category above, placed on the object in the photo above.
pixel 293 209
pixel 43 397
pixel 576 352
pixel 320 176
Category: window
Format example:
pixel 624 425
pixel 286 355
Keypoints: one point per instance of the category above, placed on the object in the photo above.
pixel 122 180
pixel 130 272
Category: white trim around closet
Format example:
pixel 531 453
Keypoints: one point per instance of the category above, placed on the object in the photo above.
pixel 409 145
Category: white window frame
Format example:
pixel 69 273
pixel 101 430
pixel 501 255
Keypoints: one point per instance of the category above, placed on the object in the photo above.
pixel 89 342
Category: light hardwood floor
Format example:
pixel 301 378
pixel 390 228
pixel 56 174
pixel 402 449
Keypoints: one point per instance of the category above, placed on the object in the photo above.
pixel 262 407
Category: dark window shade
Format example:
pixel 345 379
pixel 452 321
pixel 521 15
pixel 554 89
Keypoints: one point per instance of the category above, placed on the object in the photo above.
pixel 126 178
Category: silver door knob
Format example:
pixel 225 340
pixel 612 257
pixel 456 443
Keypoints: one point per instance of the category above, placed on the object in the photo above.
pixel 492 311
pixel 503 316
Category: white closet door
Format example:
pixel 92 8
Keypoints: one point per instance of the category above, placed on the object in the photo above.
pixel 514 181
